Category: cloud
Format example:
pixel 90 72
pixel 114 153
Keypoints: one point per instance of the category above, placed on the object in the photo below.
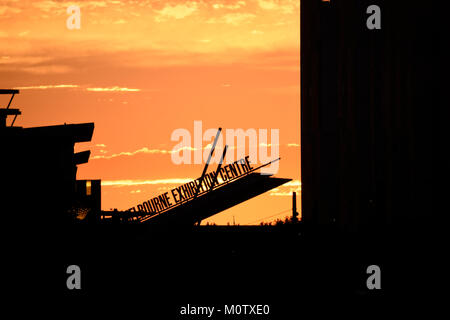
pixel 262 144
pixel 235 6
pixel 102 4
pixel 120 21
pixel 52 86
pixel 287 189
pixel 115 88
pixel 4 10
pixel 238 18
pixel 50 69
pixel 281 193
pixel 235 19
pixel 124 183
pixel 293 183
pixel 24 60
pixel 49 5
pixel 60 7
pixel 143 150
pixel 24 33
pixel 178 181
pixel 286 6
pixel 59 86
pixel 267 4
pixel 146 150
pixel 178 11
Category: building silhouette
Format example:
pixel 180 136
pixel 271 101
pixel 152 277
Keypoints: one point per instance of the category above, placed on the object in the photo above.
pixel 38 168
pixel 368 113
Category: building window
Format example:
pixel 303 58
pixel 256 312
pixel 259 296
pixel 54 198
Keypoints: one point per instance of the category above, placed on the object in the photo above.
pixel 88 188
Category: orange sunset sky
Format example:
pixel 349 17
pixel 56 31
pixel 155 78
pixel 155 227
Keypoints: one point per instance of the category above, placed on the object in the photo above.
pixel 141 69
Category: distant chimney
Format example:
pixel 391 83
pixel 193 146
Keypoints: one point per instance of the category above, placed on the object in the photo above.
pixel 294 206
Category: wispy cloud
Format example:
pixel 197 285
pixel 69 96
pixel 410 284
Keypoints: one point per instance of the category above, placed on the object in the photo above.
pixel 287 189
pixel 286 6
pixel 50 69
pixel 24 33
pixel 23 60
pixel 120 21
pixel 5 10
pixel 235 18
pixel 112 89
pixel 59 7
pixel 51 86
pixel 48 5
pixel 143 150
pixel 178 11
pixel 293 183
pixel 124 183
pixel 267 4
pixel 132 153
pixel 62 86
pixel 281 193
pixel 233 6
pixel 262 144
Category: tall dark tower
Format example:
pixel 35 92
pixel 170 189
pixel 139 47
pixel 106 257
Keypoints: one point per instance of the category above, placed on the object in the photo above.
pixel 368 113
pixel 294 206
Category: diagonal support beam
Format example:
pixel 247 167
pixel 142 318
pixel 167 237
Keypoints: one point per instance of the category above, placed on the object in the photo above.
pixel 207 163
pixel 12 97
pixel 14 120
pixel 218 168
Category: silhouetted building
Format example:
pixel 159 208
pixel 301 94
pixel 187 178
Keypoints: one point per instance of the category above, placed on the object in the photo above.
pixel 368 111
pixel 38 167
